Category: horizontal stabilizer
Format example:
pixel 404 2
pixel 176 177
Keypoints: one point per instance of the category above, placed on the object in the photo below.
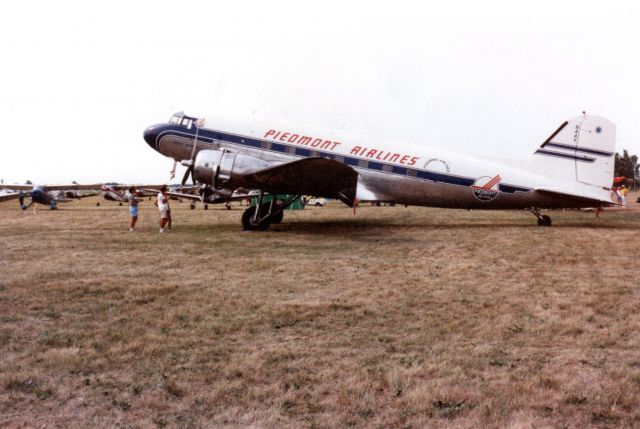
pixel 595 200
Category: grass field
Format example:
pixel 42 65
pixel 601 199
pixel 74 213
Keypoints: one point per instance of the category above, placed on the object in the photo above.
pixel 394 317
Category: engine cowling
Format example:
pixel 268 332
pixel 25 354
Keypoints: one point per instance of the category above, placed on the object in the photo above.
pixel 224 169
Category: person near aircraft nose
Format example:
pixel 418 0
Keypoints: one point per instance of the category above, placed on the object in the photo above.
pixel 133 207
pixel 163 205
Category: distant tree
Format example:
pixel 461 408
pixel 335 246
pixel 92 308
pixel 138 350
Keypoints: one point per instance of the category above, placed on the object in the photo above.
pixel 624 164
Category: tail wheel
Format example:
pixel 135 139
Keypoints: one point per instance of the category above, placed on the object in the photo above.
pixel 544 220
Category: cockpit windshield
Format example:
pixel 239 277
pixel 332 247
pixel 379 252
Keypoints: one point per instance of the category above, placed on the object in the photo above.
pixel 183 120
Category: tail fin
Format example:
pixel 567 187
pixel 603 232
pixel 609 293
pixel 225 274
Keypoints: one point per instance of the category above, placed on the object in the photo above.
pixel 580 155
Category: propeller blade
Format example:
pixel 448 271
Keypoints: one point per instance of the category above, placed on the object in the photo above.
pixel 186 175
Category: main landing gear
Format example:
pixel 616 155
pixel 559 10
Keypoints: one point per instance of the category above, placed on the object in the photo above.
pixel 543 220
pixel 260 216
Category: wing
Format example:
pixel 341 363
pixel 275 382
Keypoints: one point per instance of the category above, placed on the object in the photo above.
pixel 13 196
pixel 17 187
pixel 181 195
pixel 316 176
pixel 150 188
pixel 74 187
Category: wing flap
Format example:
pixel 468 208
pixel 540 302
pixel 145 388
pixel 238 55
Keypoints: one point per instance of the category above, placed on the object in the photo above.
pixel 320 177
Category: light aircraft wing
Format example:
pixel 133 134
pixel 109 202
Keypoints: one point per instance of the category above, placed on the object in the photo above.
pixel 73 187
pixel 13 196
pixel 236 196
pixel 17 187
pixel 574 196
pixel 193 197
pixel 150 188
pixel 310 176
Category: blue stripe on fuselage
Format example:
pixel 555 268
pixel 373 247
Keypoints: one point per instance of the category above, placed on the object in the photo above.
pixel 209 136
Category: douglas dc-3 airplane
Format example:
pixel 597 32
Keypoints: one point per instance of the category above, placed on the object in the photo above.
pixel 48 195
pixel 573 168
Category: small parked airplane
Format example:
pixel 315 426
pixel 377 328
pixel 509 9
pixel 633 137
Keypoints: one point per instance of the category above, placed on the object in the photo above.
pixel 119 193
pixel 49 195
pixel 573 168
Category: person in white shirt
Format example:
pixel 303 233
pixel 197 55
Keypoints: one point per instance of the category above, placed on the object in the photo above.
pixel 133 207
pixel 165 211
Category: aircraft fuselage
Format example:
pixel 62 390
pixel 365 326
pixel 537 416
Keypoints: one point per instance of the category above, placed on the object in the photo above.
pixel 410 174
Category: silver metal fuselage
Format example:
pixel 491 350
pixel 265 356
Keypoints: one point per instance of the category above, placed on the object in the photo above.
pixel 414 185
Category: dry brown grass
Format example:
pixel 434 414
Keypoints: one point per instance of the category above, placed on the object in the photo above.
pixel 396 317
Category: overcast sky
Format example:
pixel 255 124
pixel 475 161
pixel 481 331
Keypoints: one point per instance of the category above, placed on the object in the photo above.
pixel 80 81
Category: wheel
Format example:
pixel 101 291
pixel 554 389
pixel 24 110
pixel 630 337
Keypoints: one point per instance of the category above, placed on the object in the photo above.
pixel 544 221
pixel 98 204
pixel 206 206
pixel 247 223
pixel 119 204
pixel 192 206
pixel 318 204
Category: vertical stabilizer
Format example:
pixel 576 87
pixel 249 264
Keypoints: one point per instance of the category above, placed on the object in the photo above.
pixel 580 152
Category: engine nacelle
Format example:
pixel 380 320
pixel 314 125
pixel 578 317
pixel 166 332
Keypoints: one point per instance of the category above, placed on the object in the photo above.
pixel 224 169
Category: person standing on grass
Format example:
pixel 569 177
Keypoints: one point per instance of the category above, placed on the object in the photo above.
pixel 623 195
pixel 163 205
pixel 133 208
pixel 618 196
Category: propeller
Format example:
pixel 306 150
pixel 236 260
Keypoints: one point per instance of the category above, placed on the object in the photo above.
pixel 189 172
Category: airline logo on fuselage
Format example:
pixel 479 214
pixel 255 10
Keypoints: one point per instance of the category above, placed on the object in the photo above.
pixel 486 188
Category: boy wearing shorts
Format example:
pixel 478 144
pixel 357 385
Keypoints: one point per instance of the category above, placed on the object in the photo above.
pixel 163 206
pixel 133 208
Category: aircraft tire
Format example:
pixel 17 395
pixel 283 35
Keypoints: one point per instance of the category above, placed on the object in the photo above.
pixel 247 225
pixel 192 206
pixel 206 206
pixel 544 221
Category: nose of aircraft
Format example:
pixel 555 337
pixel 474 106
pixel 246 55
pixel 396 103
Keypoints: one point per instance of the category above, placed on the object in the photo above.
pixel 150 135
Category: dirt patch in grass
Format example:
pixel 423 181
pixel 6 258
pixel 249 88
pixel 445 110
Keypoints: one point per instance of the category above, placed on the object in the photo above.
pixel 394 317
